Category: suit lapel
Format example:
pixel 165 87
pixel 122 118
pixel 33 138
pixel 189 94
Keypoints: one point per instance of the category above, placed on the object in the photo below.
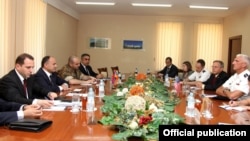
pixel 19 83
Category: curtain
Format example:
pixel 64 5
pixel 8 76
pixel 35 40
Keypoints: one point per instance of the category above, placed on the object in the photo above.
pixel 169 42
pixel 209 42
pixel 22 26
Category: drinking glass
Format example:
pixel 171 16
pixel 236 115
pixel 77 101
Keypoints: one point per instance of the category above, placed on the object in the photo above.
pixel 75 102
pixel 208 107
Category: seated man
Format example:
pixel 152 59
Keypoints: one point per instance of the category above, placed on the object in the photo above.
pixel 86 69
pixel 19 84
pixel 216 79
pixel 11 111
pixel 200 74
pixel 47 77
pixel 236 87
pixel 169 69
pixel 71 73
pixel 245 102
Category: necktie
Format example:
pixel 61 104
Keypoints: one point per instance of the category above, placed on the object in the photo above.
pixel 25 87
pixel 87 70
pixel 213 80
pixel 50 78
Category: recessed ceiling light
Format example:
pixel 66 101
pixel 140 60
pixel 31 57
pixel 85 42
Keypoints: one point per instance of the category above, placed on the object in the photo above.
pixel 152 5
pixel 95 3
pixel 208 7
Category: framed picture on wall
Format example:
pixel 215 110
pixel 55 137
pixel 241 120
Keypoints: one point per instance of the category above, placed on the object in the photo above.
pixel 102 43
pixel 132 44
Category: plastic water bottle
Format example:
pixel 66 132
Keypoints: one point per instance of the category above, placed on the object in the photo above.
pixel 190 109
pixel 148 71
pixel 167 83
pixel 91 100
pixel 136 71
pixel 101 88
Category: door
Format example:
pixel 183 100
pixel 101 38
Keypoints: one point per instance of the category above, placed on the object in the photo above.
pixel 234 49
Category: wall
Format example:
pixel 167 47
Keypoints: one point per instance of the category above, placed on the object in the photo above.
pixel 120 27
pixel 234 25
pixel 61 35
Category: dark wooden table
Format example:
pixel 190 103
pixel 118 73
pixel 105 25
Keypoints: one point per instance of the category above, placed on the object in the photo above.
pixel 73 127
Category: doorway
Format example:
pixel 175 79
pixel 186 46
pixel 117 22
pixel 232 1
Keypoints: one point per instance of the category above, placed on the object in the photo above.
pixel 234 49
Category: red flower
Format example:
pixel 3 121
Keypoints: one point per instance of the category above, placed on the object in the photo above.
pixel 144 120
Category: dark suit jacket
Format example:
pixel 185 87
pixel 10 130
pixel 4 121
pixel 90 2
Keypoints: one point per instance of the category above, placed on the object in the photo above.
pixel 91 72
pixel 12 89
pixel 221 78
pixel 43 80
pixel 8 111
pixel 173 71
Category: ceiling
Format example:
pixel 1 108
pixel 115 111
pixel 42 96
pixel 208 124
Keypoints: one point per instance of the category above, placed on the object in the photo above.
pixel 179 7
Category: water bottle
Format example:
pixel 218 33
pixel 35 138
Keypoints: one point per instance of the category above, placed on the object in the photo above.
pixel 91 100
pixel 101 88
pixel 136 71
pixel 148 71
pixel 167 83
pixel 190 108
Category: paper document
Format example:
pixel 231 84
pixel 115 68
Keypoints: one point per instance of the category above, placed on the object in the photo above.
pixel 55 108
pixel 209 95
pixel 80 94
pixel 77 90
pixel 237 108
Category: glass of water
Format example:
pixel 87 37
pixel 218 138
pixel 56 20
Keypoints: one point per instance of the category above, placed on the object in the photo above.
pixel 75 102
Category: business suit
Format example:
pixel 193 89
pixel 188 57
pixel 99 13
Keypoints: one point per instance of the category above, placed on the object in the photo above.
pixel 12 89
pixel 8 111
pixel 52 85
pixel 90 70
pixel 172 72
pixel 219 80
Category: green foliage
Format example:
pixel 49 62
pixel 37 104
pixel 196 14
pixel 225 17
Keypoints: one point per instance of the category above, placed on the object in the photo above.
pixel 116 115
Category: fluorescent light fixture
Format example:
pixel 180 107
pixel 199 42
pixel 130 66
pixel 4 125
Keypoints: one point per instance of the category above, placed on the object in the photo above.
pixel 151 5
pixel 208 7
pixel 95 3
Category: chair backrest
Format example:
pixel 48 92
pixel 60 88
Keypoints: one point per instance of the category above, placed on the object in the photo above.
pixel 103 71
pixel 115 68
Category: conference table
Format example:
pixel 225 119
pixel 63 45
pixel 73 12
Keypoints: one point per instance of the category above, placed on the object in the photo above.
pixel 68 126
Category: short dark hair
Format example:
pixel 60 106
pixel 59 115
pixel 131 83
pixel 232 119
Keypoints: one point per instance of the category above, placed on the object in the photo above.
pixel 188 64
pixel 44 60
pixel 202 62
pixel 85 54
pixel 20 59
pixel 169 58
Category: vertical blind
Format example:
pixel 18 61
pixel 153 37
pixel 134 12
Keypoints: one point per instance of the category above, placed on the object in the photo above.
pixel 169 42
pixel 209 42
pixel 22 26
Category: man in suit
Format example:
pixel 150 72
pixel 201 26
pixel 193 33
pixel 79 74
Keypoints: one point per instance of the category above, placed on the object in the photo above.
pixel 19 84
pixel 236 87
pixel 169 69
pixel 216 79
pixel 11 111
pixel 47 77
pixel 86 69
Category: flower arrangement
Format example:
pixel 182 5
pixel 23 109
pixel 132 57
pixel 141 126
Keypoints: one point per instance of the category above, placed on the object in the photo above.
pixel 137 109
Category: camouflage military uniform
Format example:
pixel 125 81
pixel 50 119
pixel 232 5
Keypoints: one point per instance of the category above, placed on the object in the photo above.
pixel 68 73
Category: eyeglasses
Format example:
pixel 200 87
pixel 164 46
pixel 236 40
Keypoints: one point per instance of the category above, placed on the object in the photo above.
pixel 86 59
